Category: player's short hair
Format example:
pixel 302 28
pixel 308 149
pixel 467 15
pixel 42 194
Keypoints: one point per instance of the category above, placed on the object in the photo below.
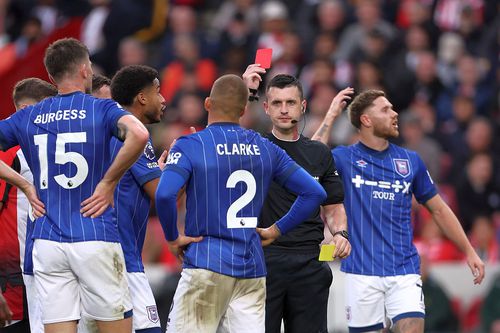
pixel 63 56
pixel 229 95
pixel 33 89
pixel 98 81
pixel 283 81
pixel 130 81
pixel 360 103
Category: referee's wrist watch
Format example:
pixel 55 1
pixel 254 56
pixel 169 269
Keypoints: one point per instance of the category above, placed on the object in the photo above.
pixel 342 233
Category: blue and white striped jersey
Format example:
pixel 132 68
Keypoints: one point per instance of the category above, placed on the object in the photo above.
pixel 132 204
pixel 228 171
pixel 65 139
pixel 378 195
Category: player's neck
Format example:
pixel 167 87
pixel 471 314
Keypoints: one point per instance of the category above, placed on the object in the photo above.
pixel 291 134
pixel 221 119
pixel 68 87
pixel 373 142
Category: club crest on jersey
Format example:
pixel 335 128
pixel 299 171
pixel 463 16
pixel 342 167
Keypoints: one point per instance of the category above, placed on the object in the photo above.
pixel 149 152
pixel 361 163
pixel 152 313
pixel 402 166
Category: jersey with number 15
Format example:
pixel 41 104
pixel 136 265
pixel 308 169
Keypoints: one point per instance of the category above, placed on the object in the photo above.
pixel 65 139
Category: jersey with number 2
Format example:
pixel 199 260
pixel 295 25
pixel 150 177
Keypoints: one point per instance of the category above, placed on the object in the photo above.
pixel 228 171
pixel 66 143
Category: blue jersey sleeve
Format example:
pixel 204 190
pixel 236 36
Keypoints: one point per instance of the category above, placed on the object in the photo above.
pixel 146 168
pixel 8 132
pixel 177 159
pixel 112 113
pixel 284 165
pixel 166 202
pixel 423 185
pixel 337 157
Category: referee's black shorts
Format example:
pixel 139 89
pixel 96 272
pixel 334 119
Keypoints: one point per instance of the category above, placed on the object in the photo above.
pixel 297 291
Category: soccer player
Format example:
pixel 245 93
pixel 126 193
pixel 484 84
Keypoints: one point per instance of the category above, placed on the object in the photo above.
pixel 383 271
pixel 76 254
pixel 101 86
pixel 137 89
pixel 227 171
pixel 297 283
pixel 14 210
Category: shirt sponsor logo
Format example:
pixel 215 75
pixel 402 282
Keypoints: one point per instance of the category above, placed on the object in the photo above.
pixel 397 186
pixel 173 158
pixel 401 166
pixel 361 163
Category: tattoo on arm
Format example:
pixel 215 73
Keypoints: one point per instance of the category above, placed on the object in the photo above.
pixel 322 129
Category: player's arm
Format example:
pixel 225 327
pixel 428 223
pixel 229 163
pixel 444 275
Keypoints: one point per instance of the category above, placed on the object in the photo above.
pixel 14 178
pixel 5 313
pixel 150 188
pixel 134 136
pixel 310 194
pixel 336 221
pixel 337 105
pixel 450 226
pixel 166 202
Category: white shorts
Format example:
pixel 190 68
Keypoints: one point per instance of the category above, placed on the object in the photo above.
pixel 86 278
pixel 34 304
pixel 372 299
pixel 144 305
pixel 209 302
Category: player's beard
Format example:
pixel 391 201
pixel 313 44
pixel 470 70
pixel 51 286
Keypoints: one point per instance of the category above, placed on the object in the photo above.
pixel 386 132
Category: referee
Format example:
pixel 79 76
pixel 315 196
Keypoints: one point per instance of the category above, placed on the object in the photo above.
pixel 297 283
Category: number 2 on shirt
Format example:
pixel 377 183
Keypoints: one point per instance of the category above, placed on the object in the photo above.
pixel 234 221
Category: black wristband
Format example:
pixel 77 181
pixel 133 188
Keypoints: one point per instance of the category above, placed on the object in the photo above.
pixel 342 233
pixel 253 95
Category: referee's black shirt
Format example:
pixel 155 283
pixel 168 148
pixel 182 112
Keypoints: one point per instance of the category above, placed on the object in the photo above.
pixel 315 158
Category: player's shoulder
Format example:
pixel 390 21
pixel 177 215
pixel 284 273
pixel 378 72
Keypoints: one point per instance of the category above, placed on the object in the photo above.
pixel 404 152
pixel 341 150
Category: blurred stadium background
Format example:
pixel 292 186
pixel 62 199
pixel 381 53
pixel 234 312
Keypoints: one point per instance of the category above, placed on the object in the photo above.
pixel 436 59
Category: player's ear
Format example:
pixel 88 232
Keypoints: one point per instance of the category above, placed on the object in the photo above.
pixel 244 110
pixel 207 104
pixel 141 98
pixel 52 79
pixel 365 120
pixel 266 107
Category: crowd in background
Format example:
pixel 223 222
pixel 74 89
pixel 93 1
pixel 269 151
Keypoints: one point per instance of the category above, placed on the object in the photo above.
pixel 437 60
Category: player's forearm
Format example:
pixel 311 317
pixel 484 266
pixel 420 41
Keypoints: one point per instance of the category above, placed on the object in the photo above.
pixel 336 218
pixel 12 177
pixel 136 137
pixel 323 132
pixel 451 228
pixel 310 194
pixel 166 203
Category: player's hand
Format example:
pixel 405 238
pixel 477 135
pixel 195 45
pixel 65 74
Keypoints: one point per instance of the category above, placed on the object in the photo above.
pixel 339 102
pixel 100 200
pixel 162 161
pixel 342 247
pixel 252 76
pixel 179 246
pixel 37 207
pixel 5 313
pixel 268 235
pixel 476 266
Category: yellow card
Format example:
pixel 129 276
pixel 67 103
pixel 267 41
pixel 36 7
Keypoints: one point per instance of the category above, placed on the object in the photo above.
pixel 326 253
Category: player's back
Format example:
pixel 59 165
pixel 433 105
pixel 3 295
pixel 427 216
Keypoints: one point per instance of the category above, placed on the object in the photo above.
pixel 231 170
pixel 66 142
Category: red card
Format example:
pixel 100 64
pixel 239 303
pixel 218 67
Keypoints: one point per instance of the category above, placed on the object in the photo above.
pixel 263 57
